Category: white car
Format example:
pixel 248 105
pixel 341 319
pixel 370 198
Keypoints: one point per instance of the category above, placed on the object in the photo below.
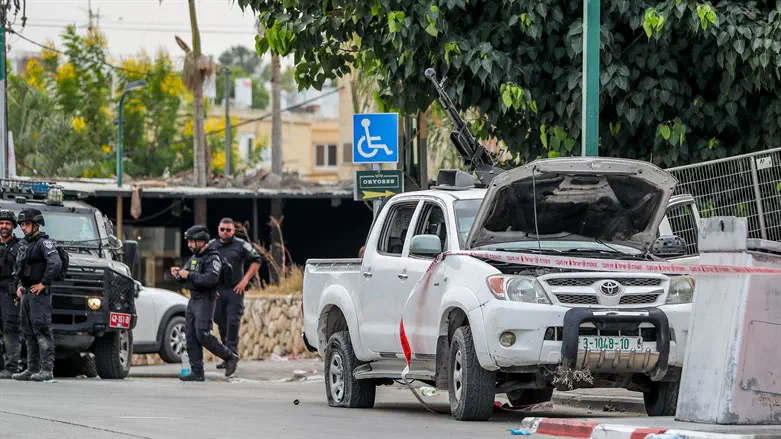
pixel 160 327
pixel 483 326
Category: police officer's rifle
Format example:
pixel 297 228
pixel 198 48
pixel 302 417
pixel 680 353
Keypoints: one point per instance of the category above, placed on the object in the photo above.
pixel 473 155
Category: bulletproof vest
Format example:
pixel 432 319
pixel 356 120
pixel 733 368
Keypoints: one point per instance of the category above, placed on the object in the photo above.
pixel 8 252
pixel 33 261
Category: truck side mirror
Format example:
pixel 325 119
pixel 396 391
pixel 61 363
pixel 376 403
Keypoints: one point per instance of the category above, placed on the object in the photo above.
pixel 669 246
pixel 130 256
pixel 425 245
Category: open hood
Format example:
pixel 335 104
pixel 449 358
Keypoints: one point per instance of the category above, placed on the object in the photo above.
pixel 617 201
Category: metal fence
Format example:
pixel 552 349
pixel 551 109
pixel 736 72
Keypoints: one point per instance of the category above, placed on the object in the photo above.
pixel 746 186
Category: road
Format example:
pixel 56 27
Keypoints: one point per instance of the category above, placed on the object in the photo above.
pixel 168 408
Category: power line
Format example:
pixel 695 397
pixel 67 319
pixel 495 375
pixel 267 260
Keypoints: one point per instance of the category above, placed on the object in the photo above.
pixel 101 62
pixel 154 30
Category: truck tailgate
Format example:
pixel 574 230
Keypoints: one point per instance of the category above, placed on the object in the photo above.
pixel 323 275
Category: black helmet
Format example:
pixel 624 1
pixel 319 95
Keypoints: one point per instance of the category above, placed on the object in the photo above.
pixel 33 215
pixel 7 215
pixel 197 233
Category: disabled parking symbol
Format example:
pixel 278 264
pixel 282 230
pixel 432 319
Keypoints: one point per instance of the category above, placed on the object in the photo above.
pixel 376 138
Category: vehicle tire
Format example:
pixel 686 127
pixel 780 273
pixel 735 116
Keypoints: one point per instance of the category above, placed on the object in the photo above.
pixel 341 388
pixel 113 353
pixel 471 388
pixel 526 397
pixel 174 340
pixel 662 399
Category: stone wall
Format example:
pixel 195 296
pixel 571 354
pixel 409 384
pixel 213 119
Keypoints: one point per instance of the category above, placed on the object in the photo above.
pixel 270 325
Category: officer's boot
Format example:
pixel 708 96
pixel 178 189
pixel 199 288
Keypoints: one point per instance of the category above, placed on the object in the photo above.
pixel 193 376
pixel 46 346
pixel 13 349
pixel 33 360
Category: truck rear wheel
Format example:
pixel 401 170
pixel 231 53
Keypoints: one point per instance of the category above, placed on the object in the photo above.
pixel 113 352
pixel 471 388
pixel 341 388
pixel 662 400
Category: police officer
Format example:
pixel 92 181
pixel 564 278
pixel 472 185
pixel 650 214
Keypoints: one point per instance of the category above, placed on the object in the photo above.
pixel 9 303
pixel 36 267
pixel 230 301
pixel 201 274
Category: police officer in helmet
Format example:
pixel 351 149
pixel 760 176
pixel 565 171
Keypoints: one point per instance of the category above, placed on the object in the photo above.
pixel 9 303
pixel 37 266
pixel 201 275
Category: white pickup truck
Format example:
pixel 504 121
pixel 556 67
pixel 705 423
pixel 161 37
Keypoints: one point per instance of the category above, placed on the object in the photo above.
pixel 484 327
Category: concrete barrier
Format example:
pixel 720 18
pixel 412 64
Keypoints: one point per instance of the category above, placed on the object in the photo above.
pixel 732 368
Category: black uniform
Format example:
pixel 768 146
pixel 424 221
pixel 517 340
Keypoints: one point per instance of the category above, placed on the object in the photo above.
pixel 230 306
pixel 9 306
pixel 204 275
pixel 38 262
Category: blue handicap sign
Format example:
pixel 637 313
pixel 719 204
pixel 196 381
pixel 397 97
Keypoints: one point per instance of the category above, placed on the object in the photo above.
pixel 376 138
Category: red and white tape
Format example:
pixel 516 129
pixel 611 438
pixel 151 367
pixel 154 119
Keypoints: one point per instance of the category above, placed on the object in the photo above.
pixel 586 264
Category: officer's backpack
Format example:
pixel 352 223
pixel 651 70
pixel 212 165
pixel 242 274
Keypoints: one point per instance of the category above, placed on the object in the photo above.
pixel 226 272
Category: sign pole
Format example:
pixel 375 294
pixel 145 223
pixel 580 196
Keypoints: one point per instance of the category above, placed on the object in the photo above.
pixel 590 96
pixel 376 203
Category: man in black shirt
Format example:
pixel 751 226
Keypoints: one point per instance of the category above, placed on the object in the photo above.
pixel 10 322
pixel 201 274
pixel 230 301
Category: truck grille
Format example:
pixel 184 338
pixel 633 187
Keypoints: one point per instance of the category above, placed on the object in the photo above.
pixel 588 281
pixel 577 299
pixel 638 299
pixel 69 296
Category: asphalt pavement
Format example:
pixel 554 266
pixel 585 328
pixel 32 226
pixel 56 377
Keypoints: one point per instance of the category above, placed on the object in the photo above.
pixel 244 407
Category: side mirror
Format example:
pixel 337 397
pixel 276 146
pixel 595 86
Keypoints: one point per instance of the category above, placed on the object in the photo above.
pixel 130 257
pixel 670 246
pixel 425 245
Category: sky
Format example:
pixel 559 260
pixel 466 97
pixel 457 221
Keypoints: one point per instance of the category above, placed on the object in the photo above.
pixel 133 25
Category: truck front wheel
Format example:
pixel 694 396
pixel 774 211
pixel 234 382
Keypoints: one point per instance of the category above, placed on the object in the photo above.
pixel 662 399
pixel 471 388
pixel 113 352
pixel 341 388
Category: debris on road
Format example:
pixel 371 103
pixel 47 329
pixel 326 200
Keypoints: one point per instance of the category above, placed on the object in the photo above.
pixel 520 432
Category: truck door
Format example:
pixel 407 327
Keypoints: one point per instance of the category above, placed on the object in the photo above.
pixel 430 221
pixel 380 270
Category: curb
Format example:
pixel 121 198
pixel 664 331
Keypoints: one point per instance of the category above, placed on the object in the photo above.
pixel 593 430
pixel 597 403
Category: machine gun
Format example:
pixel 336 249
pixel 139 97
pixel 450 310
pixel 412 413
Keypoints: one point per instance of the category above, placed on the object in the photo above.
pixel 474 156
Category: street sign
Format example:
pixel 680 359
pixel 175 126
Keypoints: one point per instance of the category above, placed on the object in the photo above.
pixel 376 138
pixel 377 184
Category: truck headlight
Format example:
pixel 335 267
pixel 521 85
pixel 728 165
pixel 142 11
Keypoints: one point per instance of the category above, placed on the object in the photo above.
pixel 94 303
pixel 517 289
pixel 681 290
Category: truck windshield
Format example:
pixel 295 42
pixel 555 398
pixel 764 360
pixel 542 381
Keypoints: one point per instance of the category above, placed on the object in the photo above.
pixel 466 211
pixel 69 226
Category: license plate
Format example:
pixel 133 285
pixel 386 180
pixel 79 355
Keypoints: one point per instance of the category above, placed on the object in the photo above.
pixel 119 320
pixel 611 343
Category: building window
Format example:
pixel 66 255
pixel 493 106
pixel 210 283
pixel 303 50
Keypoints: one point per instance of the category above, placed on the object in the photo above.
pixel 347 153
pixel 325 156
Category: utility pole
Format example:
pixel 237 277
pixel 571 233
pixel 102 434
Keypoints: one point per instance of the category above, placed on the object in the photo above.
pixel 3 95
pixel 590 110
pixel 227 121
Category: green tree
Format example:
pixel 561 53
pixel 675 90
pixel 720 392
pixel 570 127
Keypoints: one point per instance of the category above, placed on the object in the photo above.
pixel 675 74
pixel 242 57
pixel 45 140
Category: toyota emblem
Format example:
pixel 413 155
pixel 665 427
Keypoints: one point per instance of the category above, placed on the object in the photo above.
pixel 610 287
